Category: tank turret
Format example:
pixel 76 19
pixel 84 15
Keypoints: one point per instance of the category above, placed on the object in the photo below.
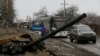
pixel 25 42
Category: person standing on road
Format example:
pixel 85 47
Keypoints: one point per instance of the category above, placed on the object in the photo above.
pixel 43 30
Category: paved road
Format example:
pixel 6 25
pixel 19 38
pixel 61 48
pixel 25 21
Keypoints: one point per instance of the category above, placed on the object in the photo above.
pixel 95 48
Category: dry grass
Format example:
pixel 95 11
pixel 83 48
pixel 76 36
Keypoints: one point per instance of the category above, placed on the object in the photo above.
pixel 9 31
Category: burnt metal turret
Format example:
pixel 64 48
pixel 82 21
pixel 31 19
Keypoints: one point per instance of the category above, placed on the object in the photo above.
pixel 23 43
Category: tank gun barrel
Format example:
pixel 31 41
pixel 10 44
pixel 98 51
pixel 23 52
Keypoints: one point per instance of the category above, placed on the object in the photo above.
pixel 72 22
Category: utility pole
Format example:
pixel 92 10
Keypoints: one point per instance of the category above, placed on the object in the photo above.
pixel 64 12
pixel 64 8
pixel 64 15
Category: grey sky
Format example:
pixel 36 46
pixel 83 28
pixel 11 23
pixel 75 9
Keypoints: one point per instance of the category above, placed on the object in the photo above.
pixel 28 7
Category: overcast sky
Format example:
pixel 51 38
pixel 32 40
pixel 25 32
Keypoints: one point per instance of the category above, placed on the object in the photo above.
pixel 28 7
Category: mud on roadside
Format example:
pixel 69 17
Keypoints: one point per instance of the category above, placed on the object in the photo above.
pixel 62 49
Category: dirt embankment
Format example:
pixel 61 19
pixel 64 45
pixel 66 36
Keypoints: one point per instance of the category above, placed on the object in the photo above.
pixel 9 31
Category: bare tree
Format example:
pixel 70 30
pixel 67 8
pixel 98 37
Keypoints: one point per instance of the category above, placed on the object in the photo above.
pixel 71 12
pixel 91 18
pixel 41 14
pixel 7 11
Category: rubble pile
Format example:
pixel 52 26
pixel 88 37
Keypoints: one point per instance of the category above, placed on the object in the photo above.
pixel 18 44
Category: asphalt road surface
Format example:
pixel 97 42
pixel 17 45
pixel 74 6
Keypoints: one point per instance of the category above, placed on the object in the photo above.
pixel 89 46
